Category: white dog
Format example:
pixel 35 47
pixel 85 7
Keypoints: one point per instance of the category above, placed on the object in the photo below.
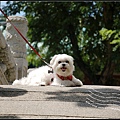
pixel 63 67
pixel 36 77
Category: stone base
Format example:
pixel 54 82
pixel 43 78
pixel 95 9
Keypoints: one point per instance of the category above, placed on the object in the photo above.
pixel 3 80
pixel 22 65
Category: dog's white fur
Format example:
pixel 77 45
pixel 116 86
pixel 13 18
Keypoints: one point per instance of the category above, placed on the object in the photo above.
pixel 36 77
pixel 62 64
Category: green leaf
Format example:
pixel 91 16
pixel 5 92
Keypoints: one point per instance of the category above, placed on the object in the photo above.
pixel 115 41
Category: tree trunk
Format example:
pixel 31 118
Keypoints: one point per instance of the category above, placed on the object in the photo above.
pixel 78 59
pixel 107 73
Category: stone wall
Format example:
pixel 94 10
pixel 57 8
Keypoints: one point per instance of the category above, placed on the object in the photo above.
pixel 13 63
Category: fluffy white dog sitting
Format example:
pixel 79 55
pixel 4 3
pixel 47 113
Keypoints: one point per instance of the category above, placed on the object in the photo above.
pixel 63 67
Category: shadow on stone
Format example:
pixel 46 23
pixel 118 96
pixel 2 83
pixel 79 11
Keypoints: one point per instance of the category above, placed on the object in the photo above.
pixel 11 92
pixel 88 97
pixel 9 117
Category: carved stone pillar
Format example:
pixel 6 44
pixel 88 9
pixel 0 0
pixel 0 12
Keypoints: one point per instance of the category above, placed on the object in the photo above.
pixel 17 43
pixel 7 63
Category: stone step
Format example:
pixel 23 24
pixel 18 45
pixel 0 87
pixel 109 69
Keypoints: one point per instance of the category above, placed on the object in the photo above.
pixel 88 101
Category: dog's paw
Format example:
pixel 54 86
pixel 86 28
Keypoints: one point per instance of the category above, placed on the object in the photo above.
pixel 42 84
pixel 77 82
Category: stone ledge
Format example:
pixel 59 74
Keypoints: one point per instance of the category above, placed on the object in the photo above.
pixel 88 101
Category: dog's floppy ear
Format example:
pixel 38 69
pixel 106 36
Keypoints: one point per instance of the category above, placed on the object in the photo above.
pixel 53 59
pixel 72 59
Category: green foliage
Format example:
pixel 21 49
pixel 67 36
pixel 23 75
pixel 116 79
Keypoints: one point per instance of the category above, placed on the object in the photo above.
pixel 116 41
pixel 112 35
pixel 106 34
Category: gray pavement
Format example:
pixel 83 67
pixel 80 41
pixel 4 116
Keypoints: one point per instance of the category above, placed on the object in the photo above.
pixel 53 102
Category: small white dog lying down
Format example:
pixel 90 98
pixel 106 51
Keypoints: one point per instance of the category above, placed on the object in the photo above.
pixel 63 67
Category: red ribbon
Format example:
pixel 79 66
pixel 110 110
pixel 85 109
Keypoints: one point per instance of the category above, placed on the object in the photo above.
pixel 65 78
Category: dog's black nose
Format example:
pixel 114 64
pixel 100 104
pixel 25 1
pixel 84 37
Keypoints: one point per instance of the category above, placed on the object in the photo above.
pixel 63 65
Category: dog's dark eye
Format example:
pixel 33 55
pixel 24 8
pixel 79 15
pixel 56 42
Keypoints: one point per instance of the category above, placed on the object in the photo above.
pixel 59 62
pixel 67 61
